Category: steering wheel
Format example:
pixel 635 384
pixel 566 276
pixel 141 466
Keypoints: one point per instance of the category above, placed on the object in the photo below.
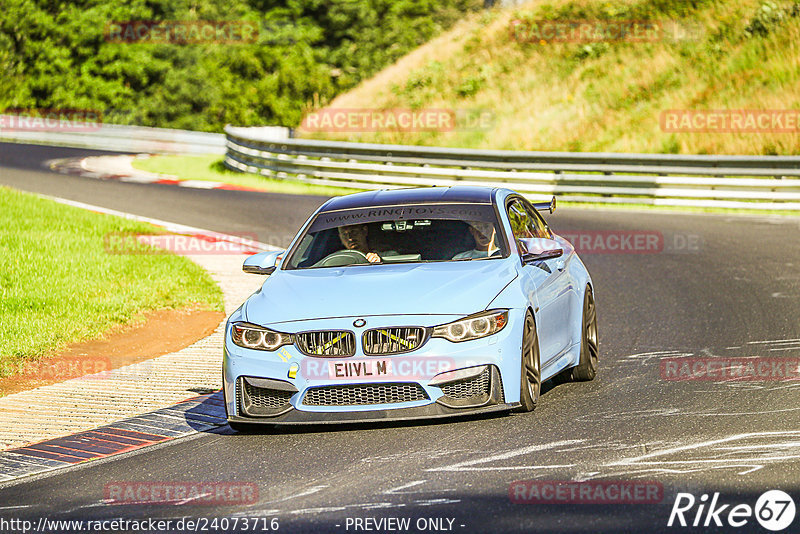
pixel 342 258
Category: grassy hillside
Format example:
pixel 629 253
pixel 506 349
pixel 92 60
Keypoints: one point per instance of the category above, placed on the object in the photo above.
pixel 601 96
pixel 58 55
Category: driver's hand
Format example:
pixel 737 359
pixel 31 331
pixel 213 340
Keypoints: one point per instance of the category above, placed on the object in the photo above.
pixel 373 258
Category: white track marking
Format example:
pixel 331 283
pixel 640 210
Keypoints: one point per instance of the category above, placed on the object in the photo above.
pixel 434 502
pixel 656 461
pixel 739 414
pixel 257 513
pixel 404 486
pixel 377 506
pixel 650 471
pixel 304 493
pixel 792 385
pixel 635 414
pixel 169 226
pixel 469 464
pixel 583 477
pixel 752 470
pixel 785 445
pixel 320 510
pixel 506 468
pixel 645 357
pixel 190 499
pixel 98 504
pixel 678 412
pixel 695 446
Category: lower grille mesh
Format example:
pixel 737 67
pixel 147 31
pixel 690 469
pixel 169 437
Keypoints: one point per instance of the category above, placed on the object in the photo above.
pixel 267 398
pixel 473 387
pixel 359 395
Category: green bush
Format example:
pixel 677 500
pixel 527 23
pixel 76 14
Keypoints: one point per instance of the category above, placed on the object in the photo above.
pixel 57 56
pixel 768 17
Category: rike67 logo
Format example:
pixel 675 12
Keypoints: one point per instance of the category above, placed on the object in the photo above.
pixel 774 510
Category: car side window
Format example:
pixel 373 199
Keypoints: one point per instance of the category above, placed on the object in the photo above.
pixel 522 224
pixel 542 230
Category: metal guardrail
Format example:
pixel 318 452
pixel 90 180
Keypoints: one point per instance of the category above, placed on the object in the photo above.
pixel 750 182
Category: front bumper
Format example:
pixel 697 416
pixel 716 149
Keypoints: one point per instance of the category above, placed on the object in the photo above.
pixel 244 369
pixel 493 402
pixel 433 411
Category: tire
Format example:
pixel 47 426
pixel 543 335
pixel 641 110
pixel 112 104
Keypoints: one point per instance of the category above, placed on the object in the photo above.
pixel 587 367
pixel 530 383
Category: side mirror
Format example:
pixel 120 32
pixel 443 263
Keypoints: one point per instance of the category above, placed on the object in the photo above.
pixel 546 206
pixel 538 248
pixel 263 262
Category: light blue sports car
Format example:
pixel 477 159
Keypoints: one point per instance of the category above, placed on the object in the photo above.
pixel 410 303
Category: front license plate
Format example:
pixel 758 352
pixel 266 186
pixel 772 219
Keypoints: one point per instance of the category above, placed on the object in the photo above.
pixel 359 369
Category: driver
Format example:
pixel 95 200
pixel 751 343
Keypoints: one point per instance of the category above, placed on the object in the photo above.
pixel 484 235
pixel 354 237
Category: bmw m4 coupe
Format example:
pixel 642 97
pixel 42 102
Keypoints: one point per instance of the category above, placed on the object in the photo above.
pixel 410 303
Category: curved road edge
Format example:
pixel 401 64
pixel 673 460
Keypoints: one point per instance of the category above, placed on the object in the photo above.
pixel 90 401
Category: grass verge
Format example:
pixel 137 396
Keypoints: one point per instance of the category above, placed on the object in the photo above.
pixel 58 285
pixel 209 168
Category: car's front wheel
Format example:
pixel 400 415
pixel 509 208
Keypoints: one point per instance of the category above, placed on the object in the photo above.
pixel 531 375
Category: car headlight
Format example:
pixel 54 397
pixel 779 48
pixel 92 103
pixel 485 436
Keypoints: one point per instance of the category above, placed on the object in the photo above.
pixel 473 327
pixel 251 336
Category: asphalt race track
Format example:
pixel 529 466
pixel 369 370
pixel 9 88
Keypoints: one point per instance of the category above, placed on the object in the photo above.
pixel 719 286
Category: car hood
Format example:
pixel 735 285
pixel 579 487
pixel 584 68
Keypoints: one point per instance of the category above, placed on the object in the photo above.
pixel 447 288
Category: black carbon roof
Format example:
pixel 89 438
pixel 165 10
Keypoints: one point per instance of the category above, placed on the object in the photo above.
pixel 421 195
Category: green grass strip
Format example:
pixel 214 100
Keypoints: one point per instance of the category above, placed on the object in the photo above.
pixel 58 285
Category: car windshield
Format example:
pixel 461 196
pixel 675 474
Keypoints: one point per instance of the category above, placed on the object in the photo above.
pixel 400 234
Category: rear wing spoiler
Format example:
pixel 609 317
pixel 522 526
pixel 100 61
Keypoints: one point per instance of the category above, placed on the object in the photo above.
pixel 550 206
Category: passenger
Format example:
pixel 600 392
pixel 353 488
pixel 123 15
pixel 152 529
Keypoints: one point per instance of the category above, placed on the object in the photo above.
pixel 484 235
